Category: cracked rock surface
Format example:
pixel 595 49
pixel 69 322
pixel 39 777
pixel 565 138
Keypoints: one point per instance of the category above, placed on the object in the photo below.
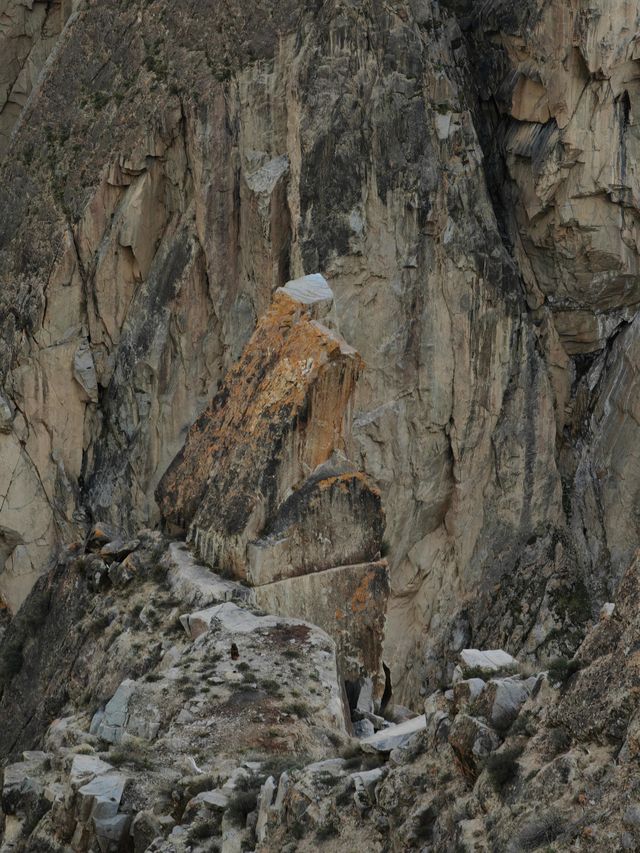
pixel 347 293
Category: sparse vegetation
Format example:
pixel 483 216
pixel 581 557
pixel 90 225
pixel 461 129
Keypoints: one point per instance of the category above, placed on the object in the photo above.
pixel 502 767
pixel 524 724
pixel 541 830
pixel 203 829
pixel 133 753
pixel 329 829
pixel 561 669
pixel 271 686
pixel 298 709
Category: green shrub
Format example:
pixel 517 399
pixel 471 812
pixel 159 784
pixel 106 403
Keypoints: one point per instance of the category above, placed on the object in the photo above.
pixel 561 669
pixel 502 767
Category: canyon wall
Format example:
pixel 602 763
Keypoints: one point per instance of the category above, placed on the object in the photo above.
pixel 464 177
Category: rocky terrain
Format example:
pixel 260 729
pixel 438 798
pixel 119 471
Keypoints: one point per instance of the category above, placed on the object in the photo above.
pixel 319 457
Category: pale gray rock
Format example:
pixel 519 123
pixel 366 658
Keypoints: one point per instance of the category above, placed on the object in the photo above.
pixel 84 371
pixel 196 584
pixel 6 415
pixel 265 801
pixel 116 713
pixel 486 663
pixel 394 736
pixel 472 741
pixel 363 728
pixel 365 785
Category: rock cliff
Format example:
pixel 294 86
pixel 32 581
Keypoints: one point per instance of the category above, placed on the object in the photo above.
pixel 345 294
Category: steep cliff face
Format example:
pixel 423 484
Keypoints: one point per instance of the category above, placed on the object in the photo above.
pixel 347 294
pixel 557 88
pixel 464 178
pixel 28 33
pixel 183 172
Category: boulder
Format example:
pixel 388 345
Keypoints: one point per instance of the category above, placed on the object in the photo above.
pixel 501 700
pixel 365 786
pixel 265 800
pixel 118 549
pixel 100 798
pixel 472 741
pixel 465 692
pixel 484 664
pixel 255 443
pixel 87 767
pixel 145 828
pixel 334 519
pixel 394 736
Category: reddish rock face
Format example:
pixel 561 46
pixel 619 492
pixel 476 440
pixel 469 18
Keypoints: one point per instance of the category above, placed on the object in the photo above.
pixel 279 415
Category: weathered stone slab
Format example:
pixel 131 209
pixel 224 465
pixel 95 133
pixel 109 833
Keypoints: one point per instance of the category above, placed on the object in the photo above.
pixel 334 519
pixel 474 662
pixel 196 585
pixel 348 602
pixel 394 736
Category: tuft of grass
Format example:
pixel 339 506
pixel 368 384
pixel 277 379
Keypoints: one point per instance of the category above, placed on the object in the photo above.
pixel 271 686
pixel 541 830
pixel 298 709
pixel 202 830
pixel 133 754
pixel 292 653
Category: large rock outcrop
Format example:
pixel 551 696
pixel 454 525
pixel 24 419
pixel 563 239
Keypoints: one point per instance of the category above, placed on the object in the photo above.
pixel 464 176
pixel 144 729
pixel 264 492
pixel 176 207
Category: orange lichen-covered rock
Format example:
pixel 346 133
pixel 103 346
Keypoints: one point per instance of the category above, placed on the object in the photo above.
pixel 279 414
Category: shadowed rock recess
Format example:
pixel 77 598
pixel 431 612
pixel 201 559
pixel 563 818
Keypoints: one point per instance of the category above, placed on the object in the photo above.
pixel 319 426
